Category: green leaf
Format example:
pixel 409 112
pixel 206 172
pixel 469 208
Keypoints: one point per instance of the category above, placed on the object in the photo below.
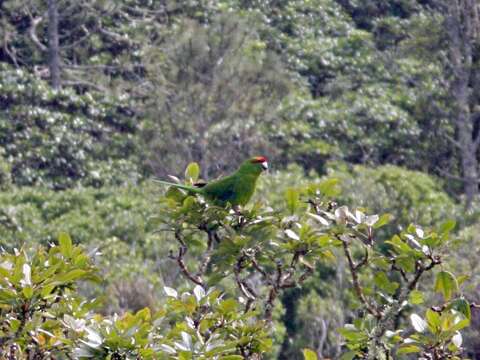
pixel 47 289
pixel 192 172
pixel 408 349
pixel 353 335
pixel 329 187
pixel 227 306
pixel 446 284
pixel 66 246
pixel 460 325
pixel 462 305
pixel 292 197
pixel 231 357
pixel 407 263
pixel 70 276
pixel 400 246
pixel 27 292
pixel 384 220
pixel 175 194
pixel 447 226
pixel 309 354
pixel 350 355
pixel 15 325
pixel 462 278
pixel 382 281
pixel 7 295
pixel 416 297
pixel 433 321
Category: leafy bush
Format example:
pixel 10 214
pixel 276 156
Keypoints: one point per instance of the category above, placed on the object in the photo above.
pixel 410 196
pixel 279 248
pixel 253 257
pixel 41 316
pixel 5 172
pixel 58 138
pixel 113 221
pixel 37 292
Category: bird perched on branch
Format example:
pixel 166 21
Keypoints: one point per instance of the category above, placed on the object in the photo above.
pixel 236 189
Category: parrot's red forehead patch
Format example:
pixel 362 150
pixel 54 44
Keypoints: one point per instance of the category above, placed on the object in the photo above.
pixel 259 159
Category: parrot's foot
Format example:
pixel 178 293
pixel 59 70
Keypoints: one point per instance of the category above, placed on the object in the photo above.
pixel 240 217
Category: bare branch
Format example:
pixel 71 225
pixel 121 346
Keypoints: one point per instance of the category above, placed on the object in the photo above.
pixel 245 289
pixel 181 263
pixel 363 262
pixel 420 269
pixel 402 273
pixel 452 176
pixel 32 31
pixel 5 41
pixel 356 283
pixel 454 142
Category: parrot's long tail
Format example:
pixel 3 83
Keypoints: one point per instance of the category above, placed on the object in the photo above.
pixel 192 189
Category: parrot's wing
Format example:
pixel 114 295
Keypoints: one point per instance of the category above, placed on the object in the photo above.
pixel 226 195
pixel 221 190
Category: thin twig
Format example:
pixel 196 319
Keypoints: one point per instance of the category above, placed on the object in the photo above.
pixel 356 283
pixel 182 250
pixel 421 269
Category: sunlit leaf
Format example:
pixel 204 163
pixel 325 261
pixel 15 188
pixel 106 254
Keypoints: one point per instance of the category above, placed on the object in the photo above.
pixel 416 297
pixel 170 292
pixel 446 284
pixel 66 246
pixel 192 172
pixel 418 323
pixel 291 234
pixel 309 354
pixel 408 349
pixel 457 339
pixel 383 220
pixel 447 226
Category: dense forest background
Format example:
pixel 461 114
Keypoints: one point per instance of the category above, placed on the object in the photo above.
pixel 98 97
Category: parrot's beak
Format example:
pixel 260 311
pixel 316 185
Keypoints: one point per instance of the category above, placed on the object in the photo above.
pixel 264 165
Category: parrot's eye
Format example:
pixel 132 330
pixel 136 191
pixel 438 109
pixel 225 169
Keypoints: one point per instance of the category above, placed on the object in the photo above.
pixel 264 165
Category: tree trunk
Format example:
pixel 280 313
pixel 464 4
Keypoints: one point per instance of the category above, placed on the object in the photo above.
pixel 53 44
pixel 461 24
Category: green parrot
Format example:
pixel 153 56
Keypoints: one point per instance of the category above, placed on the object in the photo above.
pixel 236 189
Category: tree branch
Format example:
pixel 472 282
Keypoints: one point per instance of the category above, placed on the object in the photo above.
pixel 32 30
pixel 356 283
pixel 434 260
pixel 181 263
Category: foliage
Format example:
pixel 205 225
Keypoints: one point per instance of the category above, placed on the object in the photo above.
pixel 57 139
pixel 409 196
pixel 42 316
pixel 217 87
pixel 358 94
pixel 5 173
pixel 239 253
pixel 384 281
pixel 37 291
pixel 113 221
